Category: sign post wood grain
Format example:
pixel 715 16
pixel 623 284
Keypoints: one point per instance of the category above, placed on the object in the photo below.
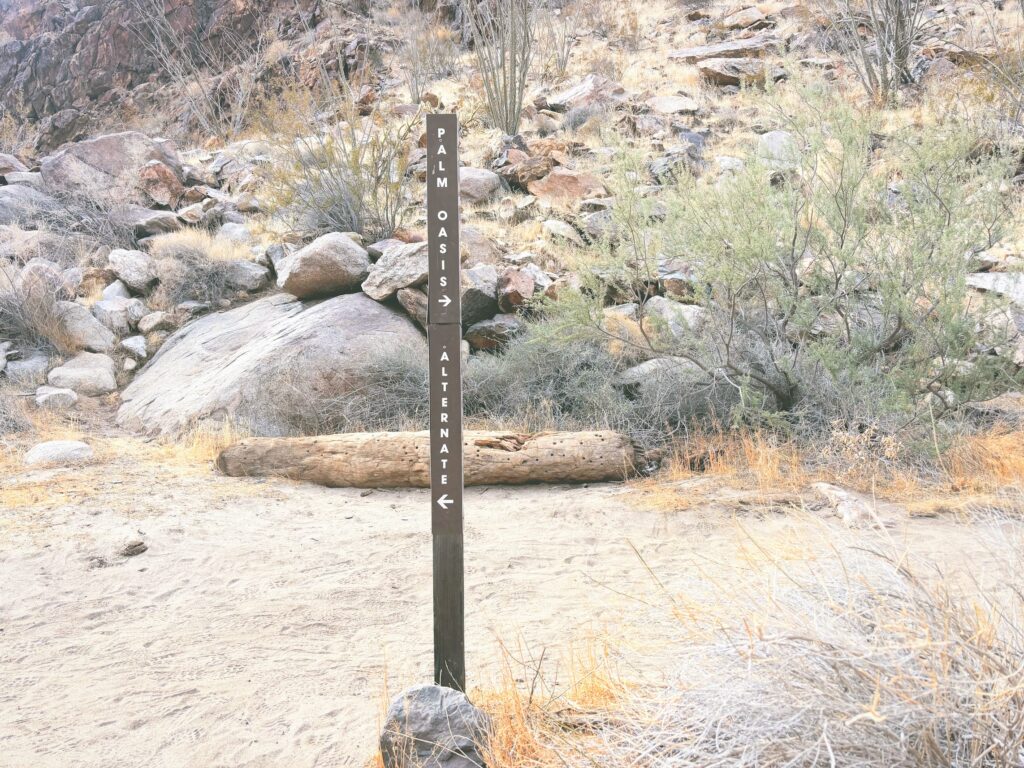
pixel 444 342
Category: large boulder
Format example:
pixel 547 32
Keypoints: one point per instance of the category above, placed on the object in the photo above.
pixel 400 266
pixel 88 374
pixel 330 265
pixel 430 726
pixel 106 162
pixel 241 365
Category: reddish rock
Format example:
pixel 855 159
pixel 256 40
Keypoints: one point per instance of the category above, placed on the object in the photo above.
pixel 565 187
pixel 515 288
pixel 160 183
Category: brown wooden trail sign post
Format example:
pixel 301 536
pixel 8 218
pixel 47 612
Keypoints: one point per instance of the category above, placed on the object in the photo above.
pixel 444 342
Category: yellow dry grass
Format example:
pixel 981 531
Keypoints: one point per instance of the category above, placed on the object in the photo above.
pixel 198 241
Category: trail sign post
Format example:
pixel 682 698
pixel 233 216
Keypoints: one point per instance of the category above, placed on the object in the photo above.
pixel 444 341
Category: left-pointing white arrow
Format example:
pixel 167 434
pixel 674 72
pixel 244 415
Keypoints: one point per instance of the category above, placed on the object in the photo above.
pixel 445 301
pixel 444 501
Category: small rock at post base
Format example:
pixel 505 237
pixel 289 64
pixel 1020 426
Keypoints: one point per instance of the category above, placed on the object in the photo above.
pixel 429 726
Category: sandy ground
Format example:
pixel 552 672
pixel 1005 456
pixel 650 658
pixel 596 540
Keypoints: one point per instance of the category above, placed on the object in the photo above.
pixel 268 621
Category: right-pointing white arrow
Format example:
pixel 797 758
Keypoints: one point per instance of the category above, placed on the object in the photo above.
pixel 444 501
pixel 445 301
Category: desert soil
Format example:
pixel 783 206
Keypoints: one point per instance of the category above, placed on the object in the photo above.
pixel 268 621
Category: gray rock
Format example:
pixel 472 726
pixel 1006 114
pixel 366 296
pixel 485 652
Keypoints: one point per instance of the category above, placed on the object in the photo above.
pixel 133 268
pixel 243 364
pixel 144 222
pixel 116 290
pixel 1006 284
pixel 330 265
pixel 495 332
pixel 779 149
pixel 414 302
pixel 277 253
pixel 156 321
pixel 400 266
pixel 671 318
pixel 34 180
pixel 248 276
pixel 79 329
pixel 20 203
pixel 87 374
pixel 559 230
pixel 29 372
pixel 748 47
pixel 479 289
pixel 670 376
pixel 11 164
pixel 238 233
pixel 429 726
pixel 58 452
pixel 478 185
pixel 55 398
pixel 119 315
pixel 135 346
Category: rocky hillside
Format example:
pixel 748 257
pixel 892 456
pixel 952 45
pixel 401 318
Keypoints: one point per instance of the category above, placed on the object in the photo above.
pixel 72 67
pixel 231 284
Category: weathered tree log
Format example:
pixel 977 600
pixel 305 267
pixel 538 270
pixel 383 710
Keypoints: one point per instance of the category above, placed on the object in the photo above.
pixel 402 459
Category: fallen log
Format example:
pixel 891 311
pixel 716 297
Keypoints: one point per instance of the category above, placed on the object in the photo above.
pixel 402 459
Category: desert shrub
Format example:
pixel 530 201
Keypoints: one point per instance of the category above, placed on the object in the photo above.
pixel 30 315
pixel 832 279
pixel 881 40
pixel 503 37
pixel 556 384
pixel 12 414
pixel 192 266
pixel 336 177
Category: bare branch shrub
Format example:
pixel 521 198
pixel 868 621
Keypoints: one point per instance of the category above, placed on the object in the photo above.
pixel 337 177
pixel 503 37
pixel 881 39
pixel 428 53
pixel 219 81
pixel 558 30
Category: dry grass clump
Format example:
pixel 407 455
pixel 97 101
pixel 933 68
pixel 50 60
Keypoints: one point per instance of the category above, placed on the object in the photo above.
pixel 864 658
pixel 13 417
pixel 192 265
